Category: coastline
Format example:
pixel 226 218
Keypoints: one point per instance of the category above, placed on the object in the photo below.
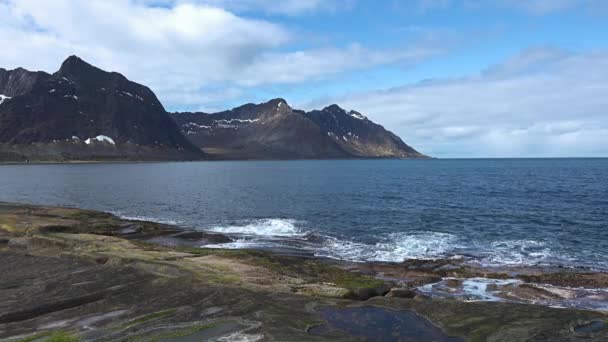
pixel 91 274
pixel 76 162
pixel 68 162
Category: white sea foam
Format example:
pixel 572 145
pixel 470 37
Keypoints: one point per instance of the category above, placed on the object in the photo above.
pixel 263 227
pixel 396 248
pixel 517 252
pixel 477 288
pixel 146 218
pixel 472 289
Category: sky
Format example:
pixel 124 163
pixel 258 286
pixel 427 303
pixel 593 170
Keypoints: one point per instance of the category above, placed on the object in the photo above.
pixel 452 78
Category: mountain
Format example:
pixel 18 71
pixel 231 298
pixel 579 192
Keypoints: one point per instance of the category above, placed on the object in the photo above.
pixel 84 113
pixel 273 130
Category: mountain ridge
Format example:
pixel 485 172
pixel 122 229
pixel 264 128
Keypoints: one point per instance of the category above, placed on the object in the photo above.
pixel 62 116
pixel 274 130
pixel 84 113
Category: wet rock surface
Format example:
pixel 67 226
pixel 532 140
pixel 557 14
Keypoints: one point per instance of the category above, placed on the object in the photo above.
pixel 591 327
pixel 456 278
pixel 381 324
pixel 401 293
pixel 190 239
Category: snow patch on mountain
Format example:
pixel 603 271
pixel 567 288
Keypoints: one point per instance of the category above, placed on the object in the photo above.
pixel 194 124
pixel 357 115
pixel 100 138
pixel 231 121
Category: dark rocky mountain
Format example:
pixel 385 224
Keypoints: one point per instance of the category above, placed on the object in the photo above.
pixel 273 130
pixel 84 113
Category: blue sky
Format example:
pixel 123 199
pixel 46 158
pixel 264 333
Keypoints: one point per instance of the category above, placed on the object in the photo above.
pixel 468 39
pixel 468 78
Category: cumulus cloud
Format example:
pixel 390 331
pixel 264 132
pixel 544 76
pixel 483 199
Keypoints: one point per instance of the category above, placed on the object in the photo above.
pixel 315 64
pixel 144 42
pixel 198 54
pixel 282 7
pixel 286 7
pixel 541 102
pixel 181 49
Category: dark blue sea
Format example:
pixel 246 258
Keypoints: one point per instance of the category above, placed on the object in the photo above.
pixel 494 211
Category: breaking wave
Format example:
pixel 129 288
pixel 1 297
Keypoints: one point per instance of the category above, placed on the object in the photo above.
pixel 396 248
pixel 263 227
pixel 518 252
pixel 280 233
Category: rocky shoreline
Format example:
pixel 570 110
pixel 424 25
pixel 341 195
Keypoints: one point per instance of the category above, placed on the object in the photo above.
pixel 71 274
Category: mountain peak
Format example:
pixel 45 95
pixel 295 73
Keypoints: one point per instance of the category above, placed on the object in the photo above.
pixel 273 130
pixel 76 67
pixel 83 101
pixel 73 58
pixel 279 103
pixel 333 108
pixel 277 100
pixel 74 62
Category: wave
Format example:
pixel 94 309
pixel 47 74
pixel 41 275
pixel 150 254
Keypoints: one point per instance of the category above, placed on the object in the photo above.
pixel 147 218
pixel 397 247
pixel 275 232
pixel 263 227
pixel 518 252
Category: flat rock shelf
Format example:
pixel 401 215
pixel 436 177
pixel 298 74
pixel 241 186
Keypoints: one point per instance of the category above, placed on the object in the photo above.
pixel 71 274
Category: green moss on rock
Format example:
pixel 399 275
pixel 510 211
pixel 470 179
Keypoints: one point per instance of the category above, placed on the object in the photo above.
pixel 52 336
pixel 149 317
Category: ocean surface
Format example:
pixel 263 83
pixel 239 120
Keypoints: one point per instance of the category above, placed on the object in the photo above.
pixel 494 212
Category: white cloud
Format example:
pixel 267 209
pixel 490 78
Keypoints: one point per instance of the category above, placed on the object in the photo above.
pixel 301 66
pixel 132 37
pixel 178 48
pixel 543 102
pixel 286 7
